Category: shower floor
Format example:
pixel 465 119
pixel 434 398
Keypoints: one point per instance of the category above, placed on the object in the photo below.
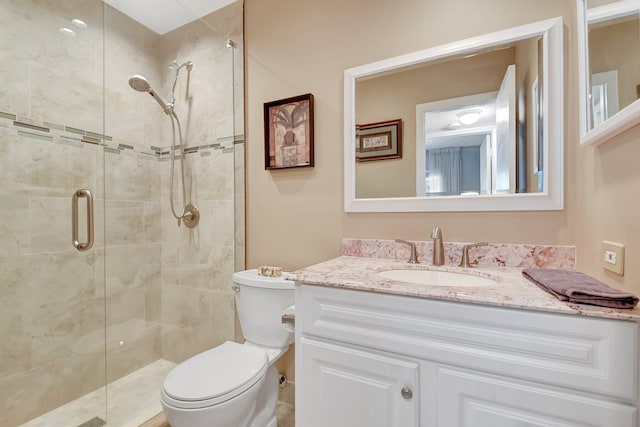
pixel 132 400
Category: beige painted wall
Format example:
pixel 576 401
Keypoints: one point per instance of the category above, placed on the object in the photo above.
pixel 295 218
pixel 600 181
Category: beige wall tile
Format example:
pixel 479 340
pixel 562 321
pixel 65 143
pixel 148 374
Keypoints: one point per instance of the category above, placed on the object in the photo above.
pixel 130 126
pixel 42 280
pixel 153 303
pixel 14 97
pixel 126 305
pixel 58 330
pixel 123 223
pixel 29 394
pixel 206 267
pixel 50 220
pixel 218 171
pixel 131 178
pixel 184 306
pixel 133 351
pixel 222 317
pixel 180 343
pixel 170 272
pixel 222 222
pixel 57 89
pixel 15 346
pixel 31 166
pixel 15 229
pixel 152 224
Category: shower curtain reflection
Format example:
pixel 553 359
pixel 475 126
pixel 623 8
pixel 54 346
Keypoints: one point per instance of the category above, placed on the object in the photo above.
pixel 444 172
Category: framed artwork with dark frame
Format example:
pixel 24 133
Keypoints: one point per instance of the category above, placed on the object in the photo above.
pixel 288 133
pixel 379 141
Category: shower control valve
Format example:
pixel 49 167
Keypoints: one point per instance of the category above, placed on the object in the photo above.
pixel 191 216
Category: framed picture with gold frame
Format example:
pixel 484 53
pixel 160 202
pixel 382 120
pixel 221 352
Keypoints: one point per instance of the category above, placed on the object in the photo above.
pixel 379 141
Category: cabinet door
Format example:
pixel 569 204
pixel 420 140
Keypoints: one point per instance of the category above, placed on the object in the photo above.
pixel 471 399
pixel 341 386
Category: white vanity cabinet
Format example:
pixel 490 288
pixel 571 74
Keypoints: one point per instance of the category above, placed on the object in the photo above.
pixel 372 359
pixel 356 387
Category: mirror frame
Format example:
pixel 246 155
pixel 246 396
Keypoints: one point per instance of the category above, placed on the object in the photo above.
pixel 628 116
pixel 552 198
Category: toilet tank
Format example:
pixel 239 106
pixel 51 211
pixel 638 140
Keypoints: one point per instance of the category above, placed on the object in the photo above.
pixel 260 301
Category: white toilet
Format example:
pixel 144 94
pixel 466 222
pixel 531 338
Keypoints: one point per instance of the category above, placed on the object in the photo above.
pixel 236 385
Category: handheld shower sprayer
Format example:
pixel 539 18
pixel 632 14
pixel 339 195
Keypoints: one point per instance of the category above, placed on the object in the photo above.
pixel 189 215
pixel 141 84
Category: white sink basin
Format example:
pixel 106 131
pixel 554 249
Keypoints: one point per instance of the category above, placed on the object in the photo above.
pixel 437 278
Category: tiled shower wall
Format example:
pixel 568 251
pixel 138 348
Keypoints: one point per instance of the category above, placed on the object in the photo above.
pixel 166 290
pixel 197 300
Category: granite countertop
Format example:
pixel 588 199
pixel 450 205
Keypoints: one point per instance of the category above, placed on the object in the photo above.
pixel 512 291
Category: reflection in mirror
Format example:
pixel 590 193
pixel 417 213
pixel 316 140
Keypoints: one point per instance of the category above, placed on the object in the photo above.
pixel 610 66
pixel 474 129
pixel 477 128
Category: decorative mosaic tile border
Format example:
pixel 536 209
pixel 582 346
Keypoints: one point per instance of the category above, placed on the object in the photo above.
pixel 66 135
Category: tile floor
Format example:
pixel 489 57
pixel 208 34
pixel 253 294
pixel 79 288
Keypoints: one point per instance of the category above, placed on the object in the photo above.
pixel 132 400
pixel 285 412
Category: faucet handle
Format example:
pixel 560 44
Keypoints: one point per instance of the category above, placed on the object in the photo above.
pixel 464 260
pixel 413 257
pixel 436 233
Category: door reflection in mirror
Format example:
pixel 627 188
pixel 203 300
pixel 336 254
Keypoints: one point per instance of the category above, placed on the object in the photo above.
pixel 458 158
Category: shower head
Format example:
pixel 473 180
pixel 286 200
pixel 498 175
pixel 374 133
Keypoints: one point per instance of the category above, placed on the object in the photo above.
pixel 141 84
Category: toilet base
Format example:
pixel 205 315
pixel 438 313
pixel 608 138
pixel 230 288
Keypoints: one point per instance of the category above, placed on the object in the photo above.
pixel 265 412
pixel 258 411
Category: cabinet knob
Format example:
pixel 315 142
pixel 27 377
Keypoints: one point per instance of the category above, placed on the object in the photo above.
pixel 406 393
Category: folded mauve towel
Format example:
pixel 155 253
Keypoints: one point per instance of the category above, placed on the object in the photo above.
pixel 577 287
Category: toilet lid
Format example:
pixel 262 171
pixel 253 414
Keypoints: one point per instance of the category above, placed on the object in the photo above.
pixel 251 278
pixel 227 369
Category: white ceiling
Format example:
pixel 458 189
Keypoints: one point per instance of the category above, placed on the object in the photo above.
pixel 439 123
pixel 162 16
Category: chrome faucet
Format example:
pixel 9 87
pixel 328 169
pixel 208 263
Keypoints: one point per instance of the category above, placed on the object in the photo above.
pixel 438 247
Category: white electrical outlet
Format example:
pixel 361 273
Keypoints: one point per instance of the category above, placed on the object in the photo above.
pixel 610 257
pixel 613 257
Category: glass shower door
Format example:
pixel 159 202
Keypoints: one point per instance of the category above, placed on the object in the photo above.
pixel 147 294
pixel 168 286
pixel 52 295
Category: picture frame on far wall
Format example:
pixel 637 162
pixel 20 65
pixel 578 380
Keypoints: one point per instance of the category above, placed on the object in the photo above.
pixel 379 141
pixel 288 133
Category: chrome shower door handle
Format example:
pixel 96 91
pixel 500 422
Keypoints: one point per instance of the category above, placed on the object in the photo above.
pixel 84 193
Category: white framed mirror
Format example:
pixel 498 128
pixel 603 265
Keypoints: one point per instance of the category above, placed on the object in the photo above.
pixel 609 65
pixel 437 87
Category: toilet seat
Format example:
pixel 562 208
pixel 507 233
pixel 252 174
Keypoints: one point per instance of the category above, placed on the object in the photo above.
pixel 214 376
